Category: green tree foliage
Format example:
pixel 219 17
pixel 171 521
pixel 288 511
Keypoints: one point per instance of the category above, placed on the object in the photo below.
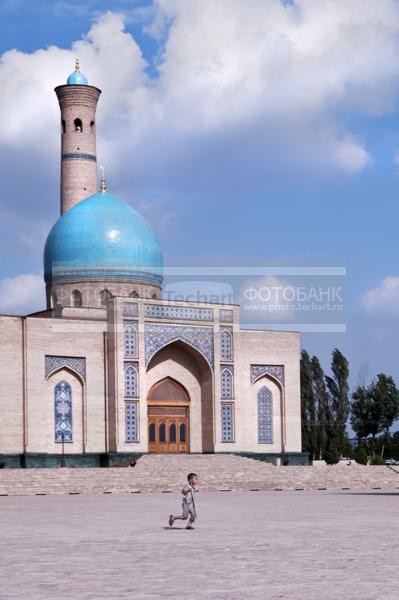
pixel 374 409
pixel 338 388
pixel 361 456
pixel 332 455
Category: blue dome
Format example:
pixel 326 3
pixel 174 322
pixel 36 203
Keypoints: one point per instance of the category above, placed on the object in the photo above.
pixel 77 78
pixel 102 237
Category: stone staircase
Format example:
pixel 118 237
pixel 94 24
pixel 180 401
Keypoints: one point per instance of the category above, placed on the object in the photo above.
pixel 167 473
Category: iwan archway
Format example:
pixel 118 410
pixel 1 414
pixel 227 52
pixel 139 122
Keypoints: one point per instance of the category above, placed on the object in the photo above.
pixel 179 377
pixel 168 417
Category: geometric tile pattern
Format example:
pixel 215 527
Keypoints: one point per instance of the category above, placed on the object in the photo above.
pixel 53 363
pixel 227 423
pixel 158 336
pixel 178 312
pixel 131 387
pixel 226 384
pixel 130 339
pixel 130 310
pixel 226 345
pixel 276 370
pixel 265 416
pixel 131 430
pixel 226 315
pixel 63 412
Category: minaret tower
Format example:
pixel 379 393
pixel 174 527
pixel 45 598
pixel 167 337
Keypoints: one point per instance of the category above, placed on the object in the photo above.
pixel 78 103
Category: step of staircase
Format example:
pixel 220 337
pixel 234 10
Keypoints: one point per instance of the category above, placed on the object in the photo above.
pixel 167 473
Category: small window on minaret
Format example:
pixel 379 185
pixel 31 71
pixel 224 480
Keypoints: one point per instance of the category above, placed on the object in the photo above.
pixel 78 125
pixel 91 126
pixel 63 125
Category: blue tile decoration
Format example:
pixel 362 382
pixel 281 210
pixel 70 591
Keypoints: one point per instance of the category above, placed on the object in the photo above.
pixel 157 336
pixel 276 371
pixel 227 423
pixel 226 384
pixel 161 311
pixel 265 416
pixel 54 363
pixel 131 429
pixel 131 381
pixel 130 339
pixel 78 156
pixel 226 315
pixel 130 309
pixel 226 344
pixel 63 412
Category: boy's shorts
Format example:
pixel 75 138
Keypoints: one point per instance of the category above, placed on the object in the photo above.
pixel 189 510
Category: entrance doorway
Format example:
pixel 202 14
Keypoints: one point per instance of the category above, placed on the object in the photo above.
pixel 168 417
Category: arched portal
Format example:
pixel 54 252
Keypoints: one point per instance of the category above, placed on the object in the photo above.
pixel 180 363
pixel 168 417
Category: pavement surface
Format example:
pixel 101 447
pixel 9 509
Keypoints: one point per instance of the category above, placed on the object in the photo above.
pixel 246 545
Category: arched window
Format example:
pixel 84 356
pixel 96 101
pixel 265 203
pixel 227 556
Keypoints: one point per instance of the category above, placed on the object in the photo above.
pixel 105 295
pixel 226 345
pixel 133 294
pixel 227 423
pixel 63 412
pixel 78 125
pixel 226 384
pixel 131 429
pixel 130 341
pixel 172 433
pixel 130 382
pixel 151 432
pixel 76 298
pixel 92 126
pixel 265 416
pixel 162 433
pixel 63 126
pixel 182 432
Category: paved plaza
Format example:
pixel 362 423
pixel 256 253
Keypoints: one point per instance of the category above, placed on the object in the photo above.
pixel 247 545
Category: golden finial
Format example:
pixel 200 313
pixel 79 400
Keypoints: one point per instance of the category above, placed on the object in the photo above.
pixel 103 187
pixel 77 65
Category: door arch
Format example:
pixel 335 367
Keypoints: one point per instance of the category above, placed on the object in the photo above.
pixel 168 417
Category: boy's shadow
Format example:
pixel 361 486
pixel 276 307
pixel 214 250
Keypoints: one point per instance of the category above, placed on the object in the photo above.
pixel 173 528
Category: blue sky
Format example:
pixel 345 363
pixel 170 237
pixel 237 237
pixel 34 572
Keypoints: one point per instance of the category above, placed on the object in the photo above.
pixel 248 132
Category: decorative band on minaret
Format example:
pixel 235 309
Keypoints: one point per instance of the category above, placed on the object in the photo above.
pixel 78 103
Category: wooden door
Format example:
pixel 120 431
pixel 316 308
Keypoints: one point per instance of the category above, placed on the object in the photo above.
pixel 168 418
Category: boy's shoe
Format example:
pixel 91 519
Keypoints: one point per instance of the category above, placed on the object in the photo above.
pixel 171 520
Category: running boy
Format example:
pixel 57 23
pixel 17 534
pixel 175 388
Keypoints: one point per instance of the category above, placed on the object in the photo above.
pixel 188 502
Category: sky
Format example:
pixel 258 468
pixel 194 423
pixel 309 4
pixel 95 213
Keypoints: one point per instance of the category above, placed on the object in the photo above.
pixel 250 133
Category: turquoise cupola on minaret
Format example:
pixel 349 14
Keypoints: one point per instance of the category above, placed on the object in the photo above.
pixel 77 78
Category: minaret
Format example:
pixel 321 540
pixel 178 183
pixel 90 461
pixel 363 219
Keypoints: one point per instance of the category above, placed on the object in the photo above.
pixel 78 103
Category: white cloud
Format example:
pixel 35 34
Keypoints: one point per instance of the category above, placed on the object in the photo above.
pixel 269 78
pixel 384 299
pixel 22 294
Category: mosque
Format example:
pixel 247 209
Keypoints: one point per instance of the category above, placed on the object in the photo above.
pixel 111 370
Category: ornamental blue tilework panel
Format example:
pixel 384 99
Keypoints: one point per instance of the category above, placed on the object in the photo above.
pixel 131 387
pixel 227 423
pixel 265 416
pixel 226 344
pixel 226 384
pixel 276 371
pixel 131 430
pixel 158 336
pixel 54 363
pixel 178 312
pixel 130 339
pixel 63 411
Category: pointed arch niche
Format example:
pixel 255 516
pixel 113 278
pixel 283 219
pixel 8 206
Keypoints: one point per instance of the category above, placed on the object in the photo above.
pixel 179 362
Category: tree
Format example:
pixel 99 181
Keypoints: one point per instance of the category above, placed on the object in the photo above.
pixel 323 407
pixel 362 413
pixel 308 407
pixel 385 399
pixel 338 388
